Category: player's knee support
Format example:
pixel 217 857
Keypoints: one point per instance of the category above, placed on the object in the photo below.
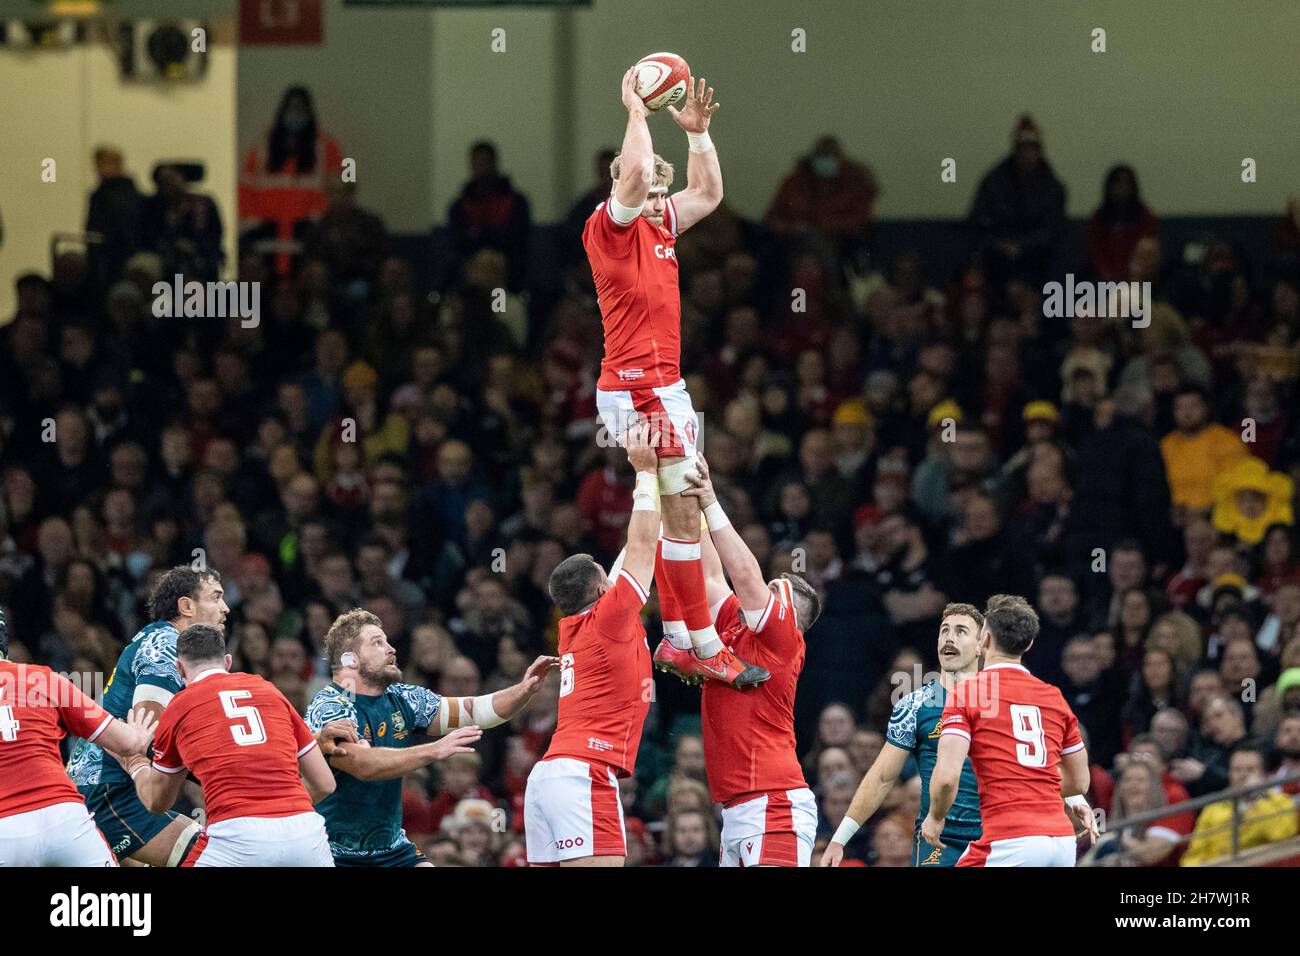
pixel 673 478
pixel 184 843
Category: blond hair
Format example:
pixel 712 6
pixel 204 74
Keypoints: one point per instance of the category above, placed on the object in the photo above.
pixel 663 170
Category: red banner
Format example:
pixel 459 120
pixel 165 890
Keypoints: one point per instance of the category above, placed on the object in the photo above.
pixel 281 22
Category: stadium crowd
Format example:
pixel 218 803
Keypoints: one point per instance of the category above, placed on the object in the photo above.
pixel 900 430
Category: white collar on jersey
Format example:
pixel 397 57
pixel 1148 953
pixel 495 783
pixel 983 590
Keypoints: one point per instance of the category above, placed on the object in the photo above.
pixel 1015 667
pixel 207 673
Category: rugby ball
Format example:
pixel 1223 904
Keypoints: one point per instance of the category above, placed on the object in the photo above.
pixel 661 79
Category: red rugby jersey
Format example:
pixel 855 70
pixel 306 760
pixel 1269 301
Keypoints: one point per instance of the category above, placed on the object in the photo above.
pixel 37 709
pixel 1019 727
pixel 749 742
pixel 635 270
pixel 242 739
pixel 605 679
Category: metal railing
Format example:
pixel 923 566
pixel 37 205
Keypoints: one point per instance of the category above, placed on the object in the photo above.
pixel 1123 857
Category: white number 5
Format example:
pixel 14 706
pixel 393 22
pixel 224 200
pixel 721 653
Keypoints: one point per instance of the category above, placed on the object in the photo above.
pixel 255 732
pixel 1027 725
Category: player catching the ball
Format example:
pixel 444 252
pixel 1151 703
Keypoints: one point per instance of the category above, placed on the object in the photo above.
pixel 630 241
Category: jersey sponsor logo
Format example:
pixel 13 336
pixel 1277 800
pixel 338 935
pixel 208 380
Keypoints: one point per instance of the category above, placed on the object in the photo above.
pixel 665 252
pixel 953 719
pixel 595 743
pixel 570 843
pixel 383 727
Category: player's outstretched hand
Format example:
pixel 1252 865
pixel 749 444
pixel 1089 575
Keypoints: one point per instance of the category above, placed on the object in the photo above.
pixel 631 98
pixel 457 742
pixel 142 724
pixel 1084 816
pixel 537 672
pixel 333 735
pixel 641 443
pixel 833 855
pixel 699 108
pixel 932 830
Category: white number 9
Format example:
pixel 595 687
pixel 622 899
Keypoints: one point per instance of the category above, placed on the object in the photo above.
pixel 1027 725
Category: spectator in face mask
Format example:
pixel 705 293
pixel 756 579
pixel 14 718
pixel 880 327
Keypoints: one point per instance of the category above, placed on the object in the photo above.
pixel 283 178
pixel 826 195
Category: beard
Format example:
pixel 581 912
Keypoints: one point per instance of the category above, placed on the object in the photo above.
pixel 383 676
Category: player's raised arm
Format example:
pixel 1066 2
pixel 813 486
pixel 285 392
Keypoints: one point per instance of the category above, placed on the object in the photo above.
pixel 703 190
pixel 643 528
pixel 636 158
pixel 871 793
pixel 716 588
pixel 491 710
pixel 740 563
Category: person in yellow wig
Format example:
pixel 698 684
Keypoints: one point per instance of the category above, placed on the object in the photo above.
pixel 1249 499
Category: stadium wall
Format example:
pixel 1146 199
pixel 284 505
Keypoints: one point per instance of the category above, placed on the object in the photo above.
pixel 61 104
pixel 545 98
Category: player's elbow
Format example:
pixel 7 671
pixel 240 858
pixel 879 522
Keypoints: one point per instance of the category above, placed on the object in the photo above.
pixel 155 802
pixel 942 780
pixel 710 196
pixel 634 169
pixel 321 781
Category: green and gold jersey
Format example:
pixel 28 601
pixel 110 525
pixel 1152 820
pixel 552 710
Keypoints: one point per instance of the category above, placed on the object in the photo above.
pixel 364 817
pixel 914 727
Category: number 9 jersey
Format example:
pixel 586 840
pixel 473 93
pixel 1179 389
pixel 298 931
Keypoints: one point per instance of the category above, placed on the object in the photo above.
pixel 1019 728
